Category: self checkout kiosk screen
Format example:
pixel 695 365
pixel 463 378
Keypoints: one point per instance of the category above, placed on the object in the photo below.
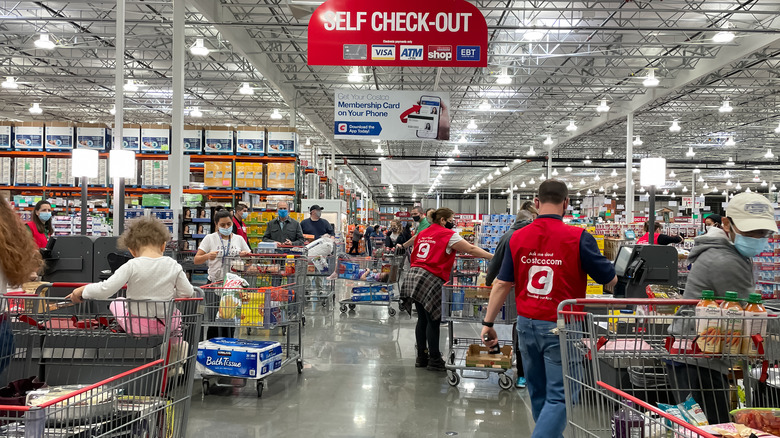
pixel 623 257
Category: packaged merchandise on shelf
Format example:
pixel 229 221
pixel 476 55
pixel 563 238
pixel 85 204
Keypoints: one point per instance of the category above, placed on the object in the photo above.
pixel 250 140
pixel 192 139
pixel 493 227
pixel 280 176
pixel 131 137
pixel 28 135
pixel 5 135
pixel 240 358
pixel 218 140
pixel 249 175
pixel 218 174
pixel 156 138
pixel 59 172
pixel 282 141
pixel 6 166
pixel 59 136
pixel 155 173
pixel 91 136
pixel 28 171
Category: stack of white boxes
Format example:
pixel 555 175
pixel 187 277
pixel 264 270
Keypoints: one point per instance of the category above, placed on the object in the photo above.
pixel 58 171
pixel 29 171
pixel 5 171
pixel 155 173
pixel 494 226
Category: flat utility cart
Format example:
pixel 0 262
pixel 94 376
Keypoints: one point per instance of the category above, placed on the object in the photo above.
pixel 264 292
pixel 369 281
pixel 468 357
pixel 99 368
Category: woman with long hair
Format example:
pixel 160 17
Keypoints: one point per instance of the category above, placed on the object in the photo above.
pixel 40 225
pixel 19 256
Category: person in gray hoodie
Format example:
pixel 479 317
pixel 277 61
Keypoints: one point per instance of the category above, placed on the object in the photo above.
pixel 721 261
pixel 526 214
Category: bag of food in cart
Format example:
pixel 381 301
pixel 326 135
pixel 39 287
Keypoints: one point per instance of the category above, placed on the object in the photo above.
pixel 320 247
pixel 230 300
pixel 764 419
pixel 675 411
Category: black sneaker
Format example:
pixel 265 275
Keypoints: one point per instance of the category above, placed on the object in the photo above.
pixel 422 359
pixel 436 364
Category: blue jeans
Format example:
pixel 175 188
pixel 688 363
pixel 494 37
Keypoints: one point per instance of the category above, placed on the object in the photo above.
pixel 540 349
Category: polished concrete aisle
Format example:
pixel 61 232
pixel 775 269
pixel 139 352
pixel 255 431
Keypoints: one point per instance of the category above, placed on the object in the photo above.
pixel 359 380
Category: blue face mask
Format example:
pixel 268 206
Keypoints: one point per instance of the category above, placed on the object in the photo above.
pixel 44 216
pixel 226 231
pixel 244 215
pixel 283 213
pixel 750 246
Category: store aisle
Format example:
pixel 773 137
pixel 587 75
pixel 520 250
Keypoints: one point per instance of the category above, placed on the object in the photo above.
pixel 360 381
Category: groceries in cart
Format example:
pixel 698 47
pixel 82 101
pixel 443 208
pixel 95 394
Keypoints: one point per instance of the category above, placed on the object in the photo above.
pixel 353 271
pixel 94 403
pixel 480 356
pixel 372 293
pixel 240 305
pixel 242 358
pixel 318 252
pixel 728 328
pixel 763 419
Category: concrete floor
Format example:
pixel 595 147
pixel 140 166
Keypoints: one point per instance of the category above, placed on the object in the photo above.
pixel 359 380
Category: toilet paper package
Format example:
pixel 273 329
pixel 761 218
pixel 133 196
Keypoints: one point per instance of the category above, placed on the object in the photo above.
pixel 241 358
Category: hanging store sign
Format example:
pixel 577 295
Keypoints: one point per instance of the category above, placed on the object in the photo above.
pixel 405 33
pixel 391 115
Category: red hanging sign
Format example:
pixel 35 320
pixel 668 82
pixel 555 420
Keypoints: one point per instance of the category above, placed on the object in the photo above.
pixel 408 33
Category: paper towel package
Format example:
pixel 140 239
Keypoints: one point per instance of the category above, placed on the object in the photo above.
pixel 241 358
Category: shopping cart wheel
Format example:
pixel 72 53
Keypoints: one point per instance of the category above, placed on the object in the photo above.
pixel 260 387
pixel 300 366
pixel 452 358
pixel 504 381
pixel 303 321
pixel 453 378
pixel 205 387
pixel 391 311
pixel 343 308
pixel 352 306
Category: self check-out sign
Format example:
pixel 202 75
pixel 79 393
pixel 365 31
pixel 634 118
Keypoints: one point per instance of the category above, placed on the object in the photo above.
pixel 436 33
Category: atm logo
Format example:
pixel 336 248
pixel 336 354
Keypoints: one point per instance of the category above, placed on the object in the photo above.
pixel 412 53
pixel 383 52
pixel 439 53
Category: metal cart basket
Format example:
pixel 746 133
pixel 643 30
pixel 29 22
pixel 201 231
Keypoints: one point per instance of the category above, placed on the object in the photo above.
pixel 369 281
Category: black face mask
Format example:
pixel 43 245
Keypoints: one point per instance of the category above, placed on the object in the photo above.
pixel 416 218
pixel 449 225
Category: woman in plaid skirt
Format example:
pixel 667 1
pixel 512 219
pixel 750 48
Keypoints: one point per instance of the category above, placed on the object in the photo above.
pixel 432 260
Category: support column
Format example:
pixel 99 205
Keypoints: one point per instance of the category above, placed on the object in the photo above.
pixel 490 196
pixel 510 200
pixel 176 169
pixel 629 171
pixel 438 199
pixel 119 87
pixel 476 211
pixel 549 163
pixel 334 191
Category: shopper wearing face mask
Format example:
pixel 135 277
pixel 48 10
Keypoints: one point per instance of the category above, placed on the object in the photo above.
pixel 721 264
pixel 420 221
pixel 713 225
pixel 40 225
pixel 220 245
pixel 239 216
pixel 283 229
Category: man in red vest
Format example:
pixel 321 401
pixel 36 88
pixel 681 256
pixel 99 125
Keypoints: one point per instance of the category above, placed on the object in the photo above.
pixel 547 262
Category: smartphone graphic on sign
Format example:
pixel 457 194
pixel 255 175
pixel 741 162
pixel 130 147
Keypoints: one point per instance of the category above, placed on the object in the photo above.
pixel 430 110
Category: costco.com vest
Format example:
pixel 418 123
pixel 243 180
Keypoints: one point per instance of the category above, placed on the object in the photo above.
pixel 546 256
pixel 430 251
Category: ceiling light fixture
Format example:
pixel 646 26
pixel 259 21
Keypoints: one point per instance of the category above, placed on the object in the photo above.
pixel 725 36
pixel 531 152
pixel 10 83
pixel 554 172
pixel 589 192
pixel 672 174
pixel 756 172
pixel 572 127
pixel 195 112
pixel 701 179
pixel 533 35
pixel 35 109
pixel 485 106
pixel 450 160
pixel 777 130
pixel 726 107
pixel 609 152
pixel 587 160
pixel 690 152
pixel 379 149
pixel 354 75
pixel 497 172
pixel 532 182
pixel 597 178
pixel 773 188
pixel 730 142
pixel 130 86
pixel 582 181
pixel 601 189
pixel 472 125
pixel 246 89
pixel 44 42
pixel 522 185
pixel 455 150
pixel 376 140
pixel 697 170
pixel 548 141
pixel 603 107
pixel 199 49
pixel 490 177
pixel 308 141
pixel 685 189
pixel 675 127
pixel 615 186
pixel 276 115
pixel 730 162
pixel 567 169
pixel 506 169
pixel 517 161
pixel 763 183
pixel 769 154
pixel 729 183
pixel 462 139
pixel 650 79
pixel 637 141
pixel 504 78
pixel 112 110
pixel 614 172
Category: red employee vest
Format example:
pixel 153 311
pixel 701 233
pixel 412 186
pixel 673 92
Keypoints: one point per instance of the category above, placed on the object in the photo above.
pixel 646 238
pixel 240 229
pixel 430 251
pixel 40 238
pixel 548 270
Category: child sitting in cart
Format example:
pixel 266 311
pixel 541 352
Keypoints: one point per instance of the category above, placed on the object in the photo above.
pixel 149 276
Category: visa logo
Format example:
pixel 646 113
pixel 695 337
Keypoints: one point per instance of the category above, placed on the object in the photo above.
pixel 412 53
pixel 383 52
pixel 468 53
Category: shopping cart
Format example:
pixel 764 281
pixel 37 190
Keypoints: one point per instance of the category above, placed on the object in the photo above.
pixel 467 356
pixel 370 281
pixel 649 349
pixel 88 355
pixel 269 296
pixel 320 288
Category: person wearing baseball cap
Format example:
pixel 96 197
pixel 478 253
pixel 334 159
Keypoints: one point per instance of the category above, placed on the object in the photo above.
pixel 315 224
pixel 721 262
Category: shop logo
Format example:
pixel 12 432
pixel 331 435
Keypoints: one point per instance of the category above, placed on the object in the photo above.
pixel 383 52
pixel 412 53
pixel 342 127
pixel 439 53
pixel 468 53
pixel 540 280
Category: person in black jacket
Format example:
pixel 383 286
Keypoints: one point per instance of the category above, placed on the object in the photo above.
pixel 395 235
pixel 526 214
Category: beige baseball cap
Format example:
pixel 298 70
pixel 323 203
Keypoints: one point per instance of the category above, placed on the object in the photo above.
pixel 751 211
